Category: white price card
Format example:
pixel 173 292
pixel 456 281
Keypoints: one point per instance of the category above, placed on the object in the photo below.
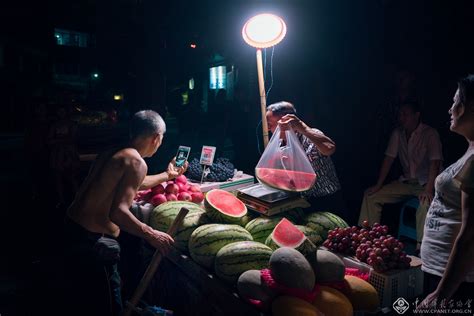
pixel 207 155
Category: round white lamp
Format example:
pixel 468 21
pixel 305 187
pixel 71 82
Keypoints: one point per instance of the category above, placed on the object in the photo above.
pixel 262 31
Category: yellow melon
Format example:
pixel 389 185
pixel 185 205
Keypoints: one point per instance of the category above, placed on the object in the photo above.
pixel 293 306
pixel 331 302
pixel 361 294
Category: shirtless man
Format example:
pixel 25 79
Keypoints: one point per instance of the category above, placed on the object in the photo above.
pixel 101 209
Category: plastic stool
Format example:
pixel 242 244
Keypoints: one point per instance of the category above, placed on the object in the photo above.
pixel 403 229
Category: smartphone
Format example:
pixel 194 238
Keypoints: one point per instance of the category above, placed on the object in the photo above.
pixel 182 155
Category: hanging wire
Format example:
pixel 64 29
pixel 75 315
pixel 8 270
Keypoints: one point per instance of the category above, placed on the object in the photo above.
pixel 271 71
pixel 264 65
pixel 256 135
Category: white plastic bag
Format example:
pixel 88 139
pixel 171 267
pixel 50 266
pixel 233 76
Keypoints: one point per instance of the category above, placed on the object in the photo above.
pixel 284 164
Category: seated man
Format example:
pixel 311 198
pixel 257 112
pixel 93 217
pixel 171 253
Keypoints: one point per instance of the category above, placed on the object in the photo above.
pixel 419 149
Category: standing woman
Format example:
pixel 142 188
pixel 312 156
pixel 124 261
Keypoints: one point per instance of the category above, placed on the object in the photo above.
pixel 447 250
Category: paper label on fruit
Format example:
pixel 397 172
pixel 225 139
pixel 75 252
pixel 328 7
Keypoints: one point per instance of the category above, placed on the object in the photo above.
pixel 207 155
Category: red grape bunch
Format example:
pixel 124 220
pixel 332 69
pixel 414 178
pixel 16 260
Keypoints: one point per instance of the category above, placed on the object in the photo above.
pixel 343 240
pixel 369 244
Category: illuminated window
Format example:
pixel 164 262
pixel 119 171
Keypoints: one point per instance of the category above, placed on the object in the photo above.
pixel 217 78
pixel 71 38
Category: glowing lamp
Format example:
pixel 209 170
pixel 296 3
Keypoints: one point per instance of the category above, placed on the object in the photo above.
pixel 263 31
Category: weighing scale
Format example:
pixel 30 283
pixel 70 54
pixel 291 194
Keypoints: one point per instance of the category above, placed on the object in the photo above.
pixel 269 201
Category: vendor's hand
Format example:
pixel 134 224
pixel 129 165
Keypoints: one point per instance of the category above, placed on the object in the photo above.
pixel 426 197
pixel 161 241
pixel 291 121
pixel 373 189
pixel 174 171
pixel 432 302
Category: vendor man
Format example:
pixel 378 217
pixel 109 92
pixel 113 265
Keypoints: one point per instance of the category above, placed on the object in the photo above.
pixel 101 209
pixel 325 195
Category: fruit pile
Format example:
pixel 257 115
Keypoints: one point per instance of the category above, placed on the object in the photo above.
pixel 221 170
pixel 174 190
pixel 371 245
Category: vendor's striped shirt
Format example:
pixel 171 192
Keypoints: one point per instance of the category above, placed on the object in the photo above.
pixel 327 181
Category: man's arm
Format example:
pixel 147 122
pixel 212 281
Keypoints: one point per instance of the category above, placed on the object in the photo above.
pixel 384 169
pixel 171 172
pixel 324 144
pixel 461 259
pixel 427 195
pixel 121 215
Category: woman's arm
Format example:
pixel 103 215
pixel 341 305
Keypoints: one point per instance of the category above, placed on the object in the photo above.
pixel 323 143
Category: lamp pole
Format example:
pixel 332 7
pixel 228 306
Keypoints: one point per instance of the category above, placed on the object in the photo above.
pixel 263 31
pixel 263 97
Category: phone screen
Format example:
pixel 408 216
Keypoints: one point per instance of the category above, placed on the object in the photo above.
pixel 182 155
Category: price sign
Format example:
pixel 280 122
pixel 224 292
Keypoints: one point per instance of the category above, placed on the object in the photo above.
pixel 207 155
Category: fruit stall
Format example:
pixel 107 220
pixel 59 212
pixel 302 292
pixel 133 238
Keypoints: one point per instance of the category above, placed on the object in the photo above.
pixel 231 260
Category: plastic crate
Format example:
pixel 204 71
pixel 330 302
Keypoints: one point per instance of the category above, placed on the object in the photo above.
pixel 406 283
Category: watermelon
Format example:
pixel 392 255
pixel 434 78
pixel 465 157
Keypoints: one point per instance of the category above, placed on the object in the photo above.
pixel 236 258
pixel 244 220
pixel 190 223
pixel 323 222
pixel 163 215
pixel 207 240
pixel 286 234
pixel 296 215
pixel 224 207
pixel 286 180
pixel 311 234
pixel 261 227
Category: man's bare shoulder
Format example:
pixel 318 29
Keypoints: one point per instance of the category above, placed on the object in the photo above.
pixel 129 158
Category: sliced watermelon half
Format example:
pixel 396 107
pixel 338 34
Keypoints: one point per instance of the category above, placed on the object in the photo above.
pixel 287 180
pixel 224 207
pixel 286 234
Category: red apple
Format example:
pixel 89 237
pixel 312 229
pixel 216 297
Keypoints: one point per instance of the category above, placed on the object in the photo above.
pixel 182 187
pixel 171 197
pixel 184 196
pixel 194 188
pixel 181 179
pixel 197 197
pixel 159 189
pixel 158 199
pixel 172 188
pixel 144 195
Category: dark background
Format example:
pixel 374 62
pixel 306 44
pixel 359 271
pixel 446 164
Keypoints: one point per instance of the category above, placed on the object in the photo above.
pixel 337 64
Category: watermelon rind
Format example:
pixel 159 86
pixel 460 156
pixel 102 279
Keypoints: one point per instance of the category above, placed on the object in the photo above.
pixel 236 258
pixel 207 240
pixel 217 214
